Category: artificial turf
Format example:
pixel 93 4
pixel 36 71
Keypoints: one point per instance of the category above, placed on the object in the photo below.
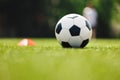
pixel 99 60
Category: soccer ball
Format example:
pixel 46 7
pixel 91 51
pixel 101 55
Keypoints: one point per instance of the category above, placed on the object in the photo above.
pixel 73 31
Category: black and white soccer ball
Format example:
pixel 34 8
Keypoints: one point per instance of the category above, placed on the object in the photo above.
pixel 73 31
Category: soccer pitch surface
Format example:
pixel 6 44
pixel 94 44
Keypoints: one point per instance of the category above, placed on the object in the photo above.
pixel 99 60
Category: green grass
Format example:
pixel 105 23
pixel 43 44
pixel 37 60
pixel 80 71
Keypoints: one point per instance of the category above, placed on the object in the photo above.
pixel 99 60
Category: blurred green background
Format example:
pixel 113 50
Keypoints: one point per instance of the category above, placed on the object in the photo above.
pixel 37 18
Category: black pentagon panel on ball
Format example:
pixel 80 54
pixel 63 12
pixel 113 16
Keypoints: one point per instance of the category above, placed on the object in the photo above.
pixel 74 30
pixel 87 25
pixel 84 43
pixel 66 45
pixel 59 28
